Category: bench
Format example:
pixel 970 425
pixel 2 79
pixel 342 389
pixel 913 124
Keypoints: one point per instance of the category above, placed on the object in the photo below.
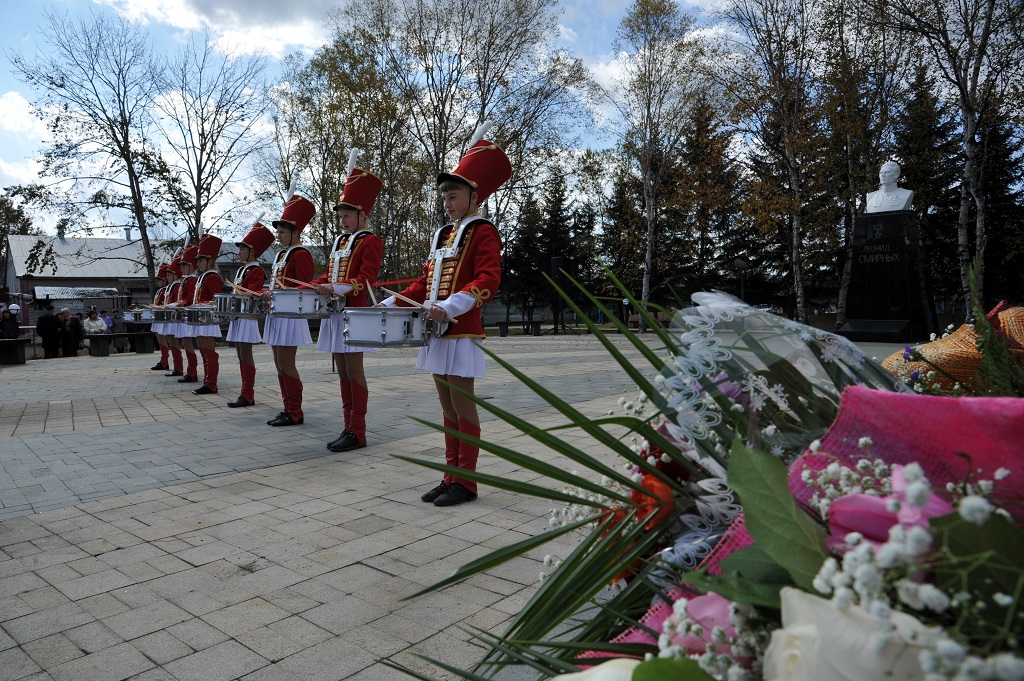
pixel 140 341
pixel 12 350
pixel 530 327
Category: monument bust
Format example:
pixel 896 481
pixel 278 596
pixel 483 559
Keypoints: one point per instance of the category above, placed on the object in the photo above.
pixel 889 196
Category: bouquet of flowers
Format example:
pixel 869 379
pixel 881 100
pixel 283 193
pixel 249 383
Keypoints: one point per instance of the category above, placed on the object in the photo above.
pixel 771 518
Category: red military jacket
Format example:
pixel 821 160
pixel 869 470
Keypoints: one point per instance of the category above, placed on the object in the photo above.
pixel 355 261
pixel 158 299
pixel 250 276
pixel 294 263
pixel 187 292
pixel 172 292
pixel 474 269
pixel 208 285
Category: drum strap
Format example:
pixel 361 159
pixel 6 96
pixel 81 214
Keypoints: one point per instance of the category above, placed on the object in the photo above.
pixel 438 253
pixel 240 274
pixel 199 286
pixel 342 253
pixel 280 264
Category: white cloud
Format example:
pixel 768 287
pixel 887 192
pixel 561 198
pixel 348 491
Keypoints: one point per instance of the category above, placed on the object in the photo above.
pixel 241 26
pixel 18 172
pixel 17 119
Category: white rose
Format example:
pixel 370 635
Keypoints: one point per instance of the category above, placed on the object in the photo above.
pixel 820 642
pixel 614 670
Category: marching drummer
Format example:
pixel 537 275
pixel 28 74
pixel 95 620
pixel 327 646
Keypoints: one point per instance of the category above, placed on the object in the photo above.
pixel 168 329
pixel 157 327
pixel 208 285
pixel 351 270
pixel 186 294
pixel 462 274
pixel 244 332
pixel 293 268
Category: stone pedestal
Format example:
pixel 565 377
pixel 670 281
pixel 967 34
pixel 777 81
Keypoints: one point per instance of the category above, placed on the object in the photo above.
pixel 887 301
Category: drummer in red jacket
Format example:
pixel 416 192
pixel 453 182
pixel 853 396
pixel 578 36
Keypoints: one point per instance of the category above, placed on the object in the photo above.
pixel 244 332
pixel 169 329
pixel 351 270
pixel 186 295
pixel 157 327
pixel 292 268
pixel 462 274
pixel 208 285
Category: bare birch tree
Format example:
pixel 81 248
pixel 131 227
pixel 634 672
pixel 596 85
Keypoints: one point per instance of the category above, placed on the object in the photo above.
pixel 775 88
pixel 211 109
pixel 662 73
pixel 96 81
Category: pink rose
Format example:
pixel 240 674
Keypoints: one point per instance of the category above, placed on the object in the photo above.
pixel 709 611
pixel 868 515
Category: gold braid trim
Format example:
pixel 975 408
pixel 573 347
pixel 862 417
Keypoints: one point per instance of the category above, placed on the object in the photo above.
pixel 481 295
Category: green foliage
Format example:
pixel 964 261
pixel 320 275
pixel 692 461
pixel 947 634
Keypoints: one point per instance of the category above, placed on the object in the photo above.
pixel 679 670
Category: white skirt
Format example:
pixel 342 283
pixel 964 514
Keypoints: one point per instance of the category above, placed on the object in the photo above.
pixel 179 330
pixel 286 331
pixel 452 357
pixel 205 330
pixel 242 330
pixel 157 327
pixel 332 336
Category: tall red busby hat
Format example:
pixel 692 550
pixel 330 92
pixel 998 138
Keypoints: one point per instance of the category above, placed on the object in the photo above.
pixel 189 256
pixel 297 213
pixel 485 167
pixel 173 268
pixel 361 187
pixel 161 272
pixel 209 247
pixel 258 239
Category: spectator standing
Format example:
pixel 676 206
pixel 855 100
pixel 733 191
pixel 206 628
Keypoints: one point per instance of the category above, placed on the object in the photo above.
pixel 74 333
pixel 118 326
pixel 107 320
pixel 9 322
pixel 50 329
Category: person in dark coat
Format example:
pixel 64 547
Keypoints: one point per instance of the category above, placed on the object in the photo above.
pixel 9 322
pixel 74 334
pixel 50 329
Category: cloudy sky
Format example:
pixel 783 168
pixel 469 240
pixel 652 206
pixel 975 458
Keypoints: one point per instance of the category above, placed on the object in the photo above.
pixel 276 28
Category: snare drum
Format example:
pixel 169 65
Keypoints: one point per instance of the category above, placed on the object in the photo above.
pixel 296 303
pixel 232 305
pixel 199 315
pixel 161 314
pixel 389 327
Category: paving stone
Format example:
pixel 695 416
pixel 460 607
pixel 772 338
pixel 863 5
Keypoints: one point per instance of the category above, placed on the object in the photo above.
pixel 147 619
pixel 161 647
pixel 341 615
pixel 52 650
pixel 223 662
pixel 111 664
pixel 93 637
pixel 15 663
pixel 46 622
pixel 197 634
pixel 242 617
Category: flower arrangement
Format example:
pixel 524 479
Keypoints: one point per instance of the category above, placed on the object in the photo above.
pixel 784 509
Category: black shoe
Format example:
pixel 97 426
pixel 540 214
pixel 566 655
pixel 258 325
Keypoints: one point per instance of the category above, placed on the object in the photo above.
pixel 204 390
pixel 242 402
pixel 436 492
pixel 285 419
pixel 158 367
pixel 173 373
pixel 347 441
pixel 456 494
pixel 337 439
pixel 188 379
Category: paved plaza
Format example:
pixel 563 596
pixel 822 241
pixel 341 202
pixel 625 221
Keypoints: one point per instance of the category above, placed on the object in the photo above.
pixel 148 533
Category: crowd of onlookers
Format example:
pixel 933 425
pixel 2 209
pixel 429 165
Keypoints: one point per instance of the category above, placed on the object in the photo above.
pixel 65 334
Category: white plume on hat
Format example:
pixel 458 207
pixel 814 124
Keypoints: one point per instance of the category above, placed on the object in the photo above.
pixel 481 130
pixel 291 189
pixel 258 218
pixel 352 156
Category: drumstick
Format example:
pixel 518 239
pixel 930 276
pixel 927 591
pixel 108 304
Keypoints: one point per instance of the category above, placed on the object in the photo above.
pixel 246 290
pixel 412 302
pixel 308 284
pixel 369 289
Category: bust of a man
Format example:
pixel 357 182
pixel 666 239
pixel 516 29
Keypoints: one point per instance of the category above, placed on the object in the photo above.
pixel 889 196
